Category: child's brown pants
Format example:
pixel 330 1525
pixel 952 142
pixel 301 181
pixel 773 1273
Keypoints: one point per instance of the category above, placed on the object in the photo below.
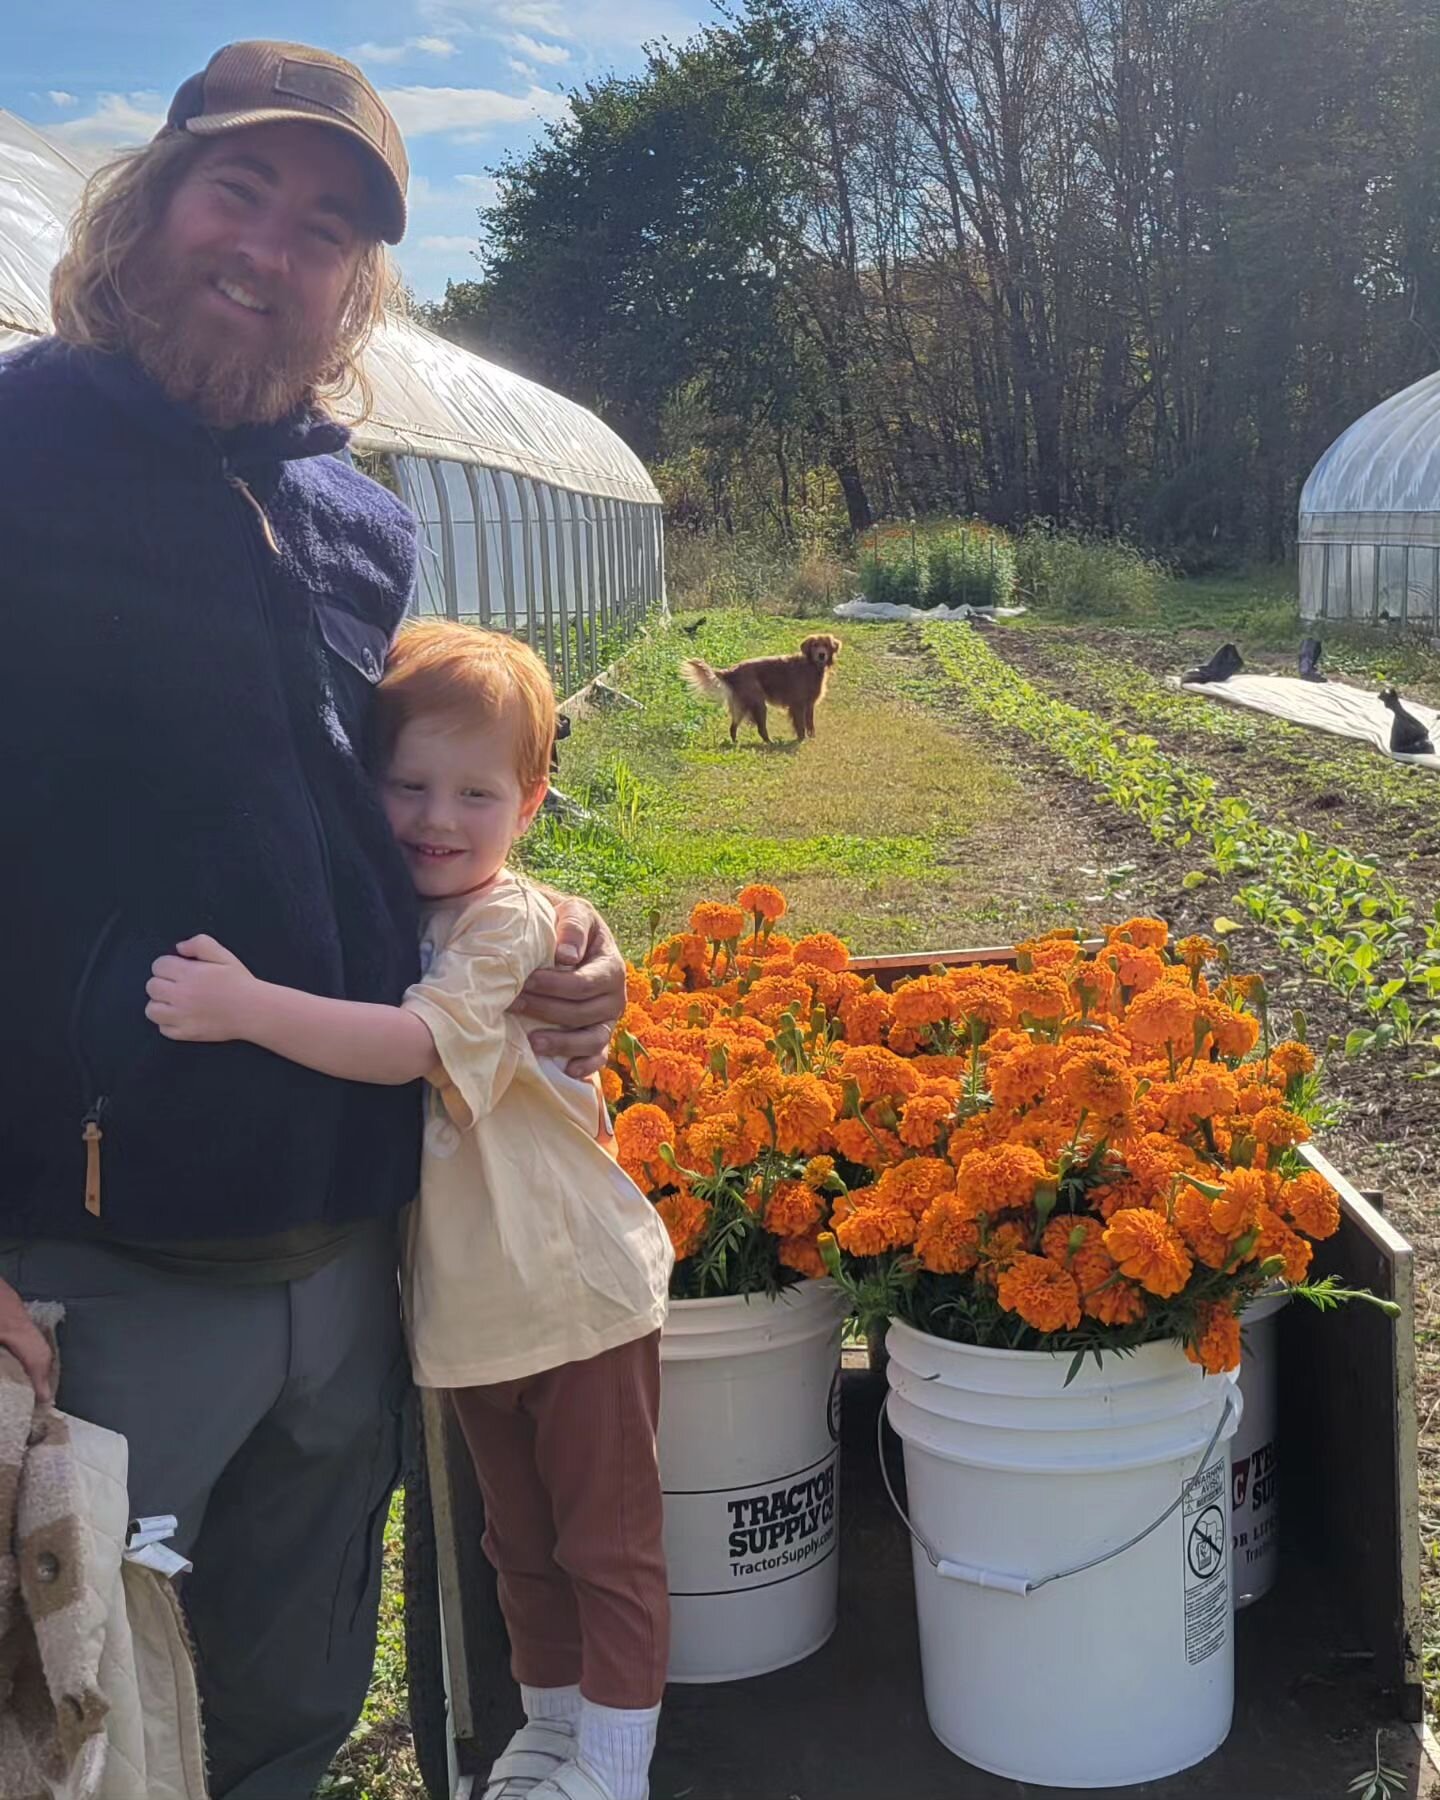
pixel 574 1521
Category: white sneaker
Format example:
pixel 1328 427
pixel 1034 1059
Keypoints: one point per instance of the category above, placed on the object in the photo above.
pixel 536 1751
pixel 573 1780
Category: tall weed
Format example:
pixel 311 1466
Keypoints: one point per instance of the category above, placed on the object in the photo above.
pixel 1092 578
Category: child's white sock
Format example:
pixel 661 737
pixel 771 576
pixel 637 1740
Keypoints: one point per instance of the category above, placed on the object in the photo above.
pixel 618 1744
pixel 558 1705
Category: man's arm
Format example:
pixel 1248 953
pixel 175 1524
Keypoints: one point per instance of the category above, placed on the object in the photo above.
pixel 579 1000
pixel 204 995
pixel 23 1338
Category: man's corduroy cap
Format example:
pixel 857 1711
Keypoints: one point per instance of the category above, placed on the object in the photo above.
pixel 266 83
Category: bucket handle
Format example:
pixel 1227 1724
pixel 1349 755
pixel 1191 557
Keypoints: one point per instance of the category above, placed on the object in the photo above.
pixel 1000 1579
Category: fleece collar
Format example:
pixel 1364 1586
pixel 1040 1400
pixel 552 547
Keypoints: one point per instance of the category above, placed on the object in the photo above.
pixel 307 432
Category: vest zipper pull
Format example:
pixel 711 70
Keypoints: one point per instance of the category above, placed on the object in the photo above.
pixel 242 487
pixel 92 1135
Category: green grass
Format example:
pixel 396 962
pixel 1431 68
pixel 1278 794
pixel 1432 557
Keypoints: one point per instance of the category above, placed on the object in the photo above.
pixel 893 827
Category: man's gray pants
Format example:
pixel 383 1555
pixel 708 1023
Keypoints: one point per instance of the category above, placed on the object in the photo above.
pixel 269 1420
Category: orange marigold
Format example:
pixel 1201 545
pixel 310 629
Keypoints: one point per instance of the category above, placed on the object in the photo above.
pixel 1277 1239
pixel 803 1255
pixel 1195 952
pixel 1041 1292
pixel 1105 1294
pixel 1235 1212
pixel 818 1171
pixel 1311 1204
pixel 871 1229
pixel 999 1180
pixel 865 1016
pixel 767 902
pixel 1236 1033
pixel 1291 1058
pixel 793 1209
pixel 1068 1234
pixel 1278 1127
pixel 1163 1017
pixel 916 1183
pixel 611 1085
pixel 822 950
pixel 999 1249
pixel 668 1072
pixel 803 1112
pixel 924 1001
pixel 1216 1344
pixel 1137 968
pixel 1018 1078
pixel 714 920
pixel 1040 996
pixel 923 1118
pixel 641 1130
pixel 980 995
pixel 1192 1219
pixel 1145 934
pixel 686 1217
pixel 1098 1082
pixel 879 1074
pixel 870 1147
pixel 772 995
pixel 1205 1093
pixel 947 1243
pixel 1149 1250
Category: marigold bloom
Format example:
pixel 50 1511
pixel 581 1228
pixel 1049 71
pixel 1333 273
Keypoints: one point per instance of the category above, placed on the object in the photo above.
pixel 878 1073
pixel 818 1171
pixel 793 1209
pixel 1205 1093
pixel 1097 1082
pixel 1235 1212
pixel 1312 1205
pixel 1236 1033
pixel 687 1218
pixel 1040 996
pixel 865 1016
pixel 1163 1017
pixel 641 1130
pixel 1291 1059
pixel 999 1180
pixel 637 987
pixel 867 1146
pixel 947 1243
pixel 1278 1127
pixel 772 995
pixel 871 1229
pixel 1195 952
pixel 1277 1239
pixel 767 903
pixel 611 1085
pixel 1137 969
pixel 821 950
pixel 924 1001
pixel 803 1255
pixel 999 1250
pixel 923 1118
pixel 1106 1294
pixel 980 995
pixel 1216 1347
pixel 1145 934
pixel 667 1072
pixel 1041 1292
pixel 1019 1078
pixel 915 1183
pixel 803 1112
pixel 719 923
pixel 1149 1250
pixel 1192 1220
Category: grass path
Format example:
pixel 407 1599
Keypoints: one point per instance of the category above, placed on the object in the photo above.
pixel 900 826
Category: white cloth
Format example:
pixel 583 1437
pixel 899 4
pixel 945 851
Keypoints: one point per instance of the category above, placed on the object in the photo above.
pixel 529 1247
pixel 1328 706
pixel 885 609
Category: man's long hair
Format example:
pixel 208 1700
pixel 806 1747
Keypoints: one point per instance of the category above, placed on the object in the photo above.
pixel 120 211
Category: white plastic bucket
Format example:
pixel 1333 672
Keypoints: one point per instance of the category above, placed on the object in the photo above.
pixel 750 1464
pixel 1254 1456
pixel 1015 1478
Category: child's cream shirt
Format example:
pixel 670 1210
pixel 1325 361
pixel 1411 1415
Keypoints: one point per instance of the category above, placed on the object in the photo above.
pixel 529 1246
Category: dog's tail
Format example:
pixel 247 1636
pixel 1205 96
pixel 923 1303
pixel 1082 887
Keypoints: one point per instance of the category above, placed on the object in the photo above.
pixel 704 679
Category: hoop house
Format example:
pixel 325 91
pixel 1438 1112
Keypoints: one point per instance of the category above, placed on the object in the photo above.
pixel 535 518
pixel 1370 517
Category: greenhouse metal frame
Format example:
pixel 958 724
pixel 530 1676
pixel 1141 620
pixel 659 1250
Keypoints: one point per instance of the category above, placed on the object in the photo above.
pixel 535 518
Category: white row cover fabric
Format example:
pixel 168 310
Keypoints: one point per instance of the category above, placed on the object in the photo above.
pixel 1329 706
pixel 431 398
pixel 1370 516
pixel 887 609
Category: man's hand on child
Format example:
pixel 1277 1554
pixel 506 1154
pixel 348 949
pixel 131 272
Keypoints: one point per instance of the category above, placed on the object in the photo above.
pixel 199 995
pixel 582 996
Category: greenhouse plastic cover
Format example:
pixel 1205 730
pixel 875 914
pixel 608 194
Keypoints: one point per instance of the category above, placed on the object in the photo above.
pixel 430 397
pixel 1386 462
pixel 1329 706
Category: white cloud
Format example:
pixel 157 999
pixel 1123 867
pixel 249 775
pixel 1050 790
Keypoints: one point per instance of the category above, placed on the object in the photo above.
pixel 483 190
pixel 522 69
pixel 469 113
pixel 117 119
pixel 450 245
pixel 595 25
pixel 395 53
pixel 538 52
pixel 58 97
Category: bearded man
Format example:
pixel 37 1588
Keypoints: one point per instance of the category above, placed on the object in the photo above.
pixel 199 594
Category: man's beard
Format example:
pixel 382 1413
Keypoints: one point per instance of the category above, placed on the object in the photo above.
pixel 226 381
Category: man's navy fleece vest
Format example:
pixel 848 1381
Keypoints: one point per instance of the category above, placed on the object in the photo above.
pixel 182 709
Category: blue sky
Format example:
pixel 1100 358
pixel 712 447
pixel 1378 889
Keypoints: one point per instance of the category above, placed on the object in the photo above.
pixel 467 79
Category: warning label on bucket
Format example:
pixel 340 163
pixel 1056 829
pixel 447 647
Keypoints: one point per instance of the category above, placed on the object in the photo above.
pixel 1206 1538
pixel 736 1539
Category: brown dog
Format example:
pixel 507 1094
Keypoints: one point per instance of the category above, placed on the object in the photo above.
pixel 794 682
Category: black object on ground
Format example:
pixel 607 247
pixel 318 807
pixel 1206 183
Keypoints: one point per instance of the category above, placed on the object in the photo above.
pixel 1310 653
pixel 1408 737
pixel 1226 661
pixel 562 731
pixel 690 630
